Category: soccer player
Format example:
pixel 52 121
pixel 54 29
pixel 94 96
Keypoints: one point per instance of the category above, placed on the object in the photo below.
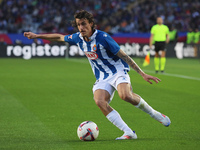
pixel 159 35
pixel 110 65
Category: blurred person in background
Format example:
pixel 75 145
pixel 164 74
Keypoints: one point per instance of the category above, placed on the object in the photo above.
pixel 36 41
pixel 196 36
pixel 190 36
pixel 2 41
pixel 159 34
pixel 173 35
pixel 196 42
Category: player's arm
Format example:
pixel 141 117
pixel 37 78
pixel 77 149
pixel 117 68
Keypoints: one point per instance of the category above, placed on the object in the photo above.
pixel 133 65
pixel 167 35
pixel 50 37
pixel 151 41
pixel 167 38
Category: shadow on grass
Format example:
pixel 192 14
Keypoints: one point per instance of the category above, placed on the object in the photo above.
pixel 113 140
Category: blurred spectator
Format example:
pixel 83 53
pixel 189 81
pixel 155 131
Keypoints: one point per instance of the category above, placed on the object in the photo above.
pixel 173 35
pixel 196 41
pixel 37 41
pixel 17 16
pixel 17 41
pixel 2 41
pixel 196 36
pixel 190 36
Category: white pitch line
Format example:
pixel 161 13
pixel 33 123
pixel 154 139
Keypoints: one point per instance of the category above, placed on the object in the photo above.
pixel 176 75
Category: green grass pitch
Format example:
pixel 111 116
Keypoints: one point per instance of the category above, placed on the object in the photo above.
pixel 42 102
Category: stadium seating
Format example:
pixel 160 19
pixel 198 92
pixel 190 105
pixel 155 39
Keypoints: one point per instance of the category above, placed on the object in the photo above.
pixel 111 16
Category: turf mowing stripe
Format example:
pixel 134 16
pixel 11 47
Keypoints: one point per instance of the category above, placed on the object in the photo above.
pixel 21 129
pixel 149 71
pixel 176 75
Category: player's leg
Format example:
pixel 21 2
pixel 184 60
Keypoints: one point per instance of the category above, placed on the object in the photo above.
pixel 102 98
pixel 162 61
pixel 125 93
pixel 157 57
pixel 163 58
pixel 156 61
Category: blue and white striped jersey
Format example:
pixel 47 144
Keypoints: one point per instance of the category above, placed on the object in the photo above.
pixel 101 52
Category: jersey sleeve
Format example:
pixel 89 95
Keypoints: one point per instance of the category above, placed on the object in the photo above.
pixel 152 30
pixel 110 44
pixel 167 30
pixel 71 39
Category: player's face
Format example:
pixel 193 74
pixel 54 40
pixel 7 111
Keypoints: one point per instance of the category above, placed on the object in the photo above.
pixel 84 27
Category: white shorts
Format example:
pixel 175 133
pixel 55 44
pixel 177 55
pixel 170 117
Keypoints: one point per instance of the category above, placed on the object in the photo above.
pixel 111 83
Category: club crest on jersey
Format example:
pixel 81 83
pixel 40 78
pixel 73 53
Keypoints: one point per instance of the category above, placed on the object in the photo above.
pixel 70 37
pixel 91 55
pixel 94 48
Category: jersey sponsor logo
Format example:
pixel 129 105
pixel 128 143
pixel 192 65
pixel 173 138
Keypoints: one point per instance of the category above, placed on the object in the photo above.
pixel 91 55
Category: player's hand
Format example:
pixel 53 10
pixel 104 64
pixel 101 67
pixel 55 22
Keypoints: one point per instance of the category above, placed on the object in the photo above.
pixel 149 77
pixel 30 35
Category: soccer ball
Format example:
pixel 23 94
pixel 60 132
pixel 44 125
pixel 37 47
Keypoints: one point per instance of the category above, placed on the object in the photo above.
pixel 88 131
